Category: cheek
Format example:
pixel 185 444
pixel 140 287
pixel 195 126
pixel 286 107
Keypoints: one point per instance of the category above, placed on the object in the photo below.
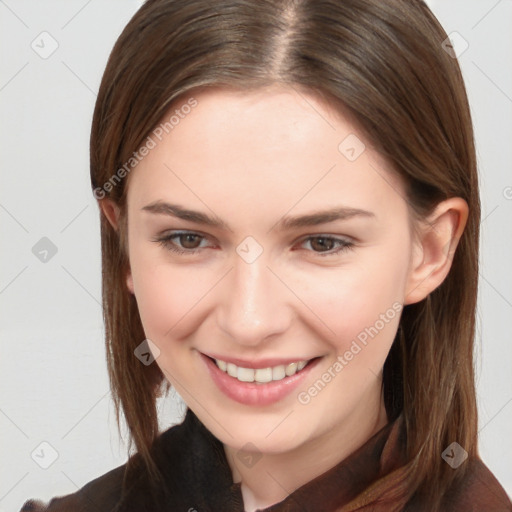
pixel 360 302
pixel 166 294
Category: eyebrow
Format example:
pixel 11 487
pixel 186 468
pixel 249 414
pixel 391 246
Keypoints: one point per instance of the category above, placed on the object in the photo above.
pixel 286 222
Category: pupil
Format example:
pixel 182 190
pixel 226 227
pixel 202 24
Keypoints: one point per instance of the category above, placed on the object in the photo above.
pixel 187 241
pixel 323 244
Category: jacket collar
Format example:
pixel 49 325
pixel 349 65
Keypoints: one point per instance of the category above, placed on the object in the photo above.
pixel 197 475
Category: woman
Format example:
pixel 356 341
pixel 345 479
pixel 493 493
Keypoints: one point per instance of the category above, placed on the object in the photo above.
pixel 290 218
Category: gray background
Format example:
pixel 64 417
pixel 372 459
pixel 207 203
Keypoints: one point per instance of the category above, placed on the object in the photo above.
pixel 54 386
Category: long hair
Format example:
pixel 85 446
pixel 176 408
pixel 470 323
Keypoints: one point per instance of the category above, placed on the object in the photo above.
pixel 384 63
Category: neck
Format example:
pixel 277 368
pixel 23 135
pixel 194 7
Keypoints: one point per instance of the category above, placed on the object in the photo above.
pixel 277 475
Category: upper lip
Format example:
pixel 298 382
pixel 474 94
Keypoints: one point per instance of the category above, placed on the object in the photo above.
pixel 258 363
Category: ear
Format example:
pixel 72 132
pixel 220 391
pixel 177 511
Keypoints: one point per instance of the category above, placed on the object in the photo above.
pixel 112 213
pixel 434 247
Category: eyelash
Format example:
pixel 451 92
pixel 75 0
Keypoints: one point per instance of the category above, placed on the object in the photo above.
pixel 166 241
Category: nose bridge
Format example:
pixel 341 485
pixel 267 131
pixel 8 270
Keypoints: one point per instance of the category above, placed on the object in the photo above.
pixel 254 305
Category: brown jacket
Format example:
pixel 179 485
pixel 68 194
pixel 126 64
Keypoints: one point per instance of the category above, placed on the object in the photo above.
pixel 198 479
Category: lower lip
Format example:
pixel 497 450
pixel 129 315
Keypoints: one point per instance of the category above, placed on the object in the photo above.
pixel 252 393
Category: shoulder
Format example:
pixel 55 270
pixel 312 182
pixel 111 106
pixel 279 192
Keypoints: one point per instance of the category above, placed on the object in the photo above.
pixel 101 494
pixel 105 493
pixel 479 490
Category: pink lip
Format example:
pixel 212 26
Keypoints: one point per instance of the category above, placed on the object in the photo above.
pixel 252 393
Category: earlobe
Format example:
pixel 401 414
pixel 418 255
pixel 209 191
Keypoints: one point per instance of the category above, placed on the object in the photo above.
pixel 111 211
pixel 435 247
pixel 129 282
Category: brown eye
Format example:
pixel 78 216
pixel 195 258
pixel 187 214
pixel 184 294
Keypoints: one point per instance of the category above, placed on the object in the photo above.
pixel 321 244
pixel 189 241
pixel 324 245
pixel 184 242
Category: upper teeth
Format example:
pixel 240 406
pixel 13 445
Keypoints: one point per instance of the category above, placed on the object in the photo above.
pixel 261 374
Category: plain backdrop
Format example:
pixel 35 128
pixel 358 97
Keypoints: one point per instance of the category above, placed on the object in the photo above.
pixel 54 387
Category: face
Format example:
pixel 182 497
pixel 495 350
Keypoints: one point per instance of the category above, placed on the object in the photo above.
pixel 263 233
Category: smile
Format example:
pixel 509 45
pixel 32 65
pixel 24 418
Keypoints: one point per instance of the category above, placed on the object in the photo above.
pixel 271 381
pixel 260 375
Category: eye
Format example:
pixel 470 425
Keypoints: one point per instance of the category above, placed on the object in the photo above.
pixel 182 242
pixel 189 242
pixel 325 245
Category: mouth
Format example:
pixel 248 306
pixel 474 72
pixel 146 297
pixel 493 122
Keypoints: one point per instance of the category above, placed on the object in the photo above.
pixel 266 383
pixel 261 375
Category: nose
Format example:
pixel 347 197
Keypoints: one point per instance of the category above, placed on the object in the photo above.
pixel 255 304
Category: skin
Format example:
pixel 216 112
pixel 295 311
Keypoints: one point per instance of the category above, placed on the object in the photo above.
pixel 251 159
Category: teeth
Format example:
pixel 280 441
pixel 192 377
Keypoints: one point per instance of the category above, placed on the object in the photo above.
pixel 261 375
pixel 244 374
pixel 232 369
pixel 291 369
pixel 278 372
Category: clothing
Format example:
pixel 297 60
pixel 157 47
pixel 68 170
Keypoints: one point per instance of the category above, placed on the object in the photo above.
pixel 198 479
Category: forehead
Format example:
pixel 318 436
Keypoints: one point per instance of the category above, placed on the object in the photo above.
pixel 269 122
pixel 273 145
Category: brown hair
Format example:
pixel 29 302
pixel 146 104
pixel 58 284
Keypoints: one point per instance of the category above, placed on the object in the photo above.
pixel 383 62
